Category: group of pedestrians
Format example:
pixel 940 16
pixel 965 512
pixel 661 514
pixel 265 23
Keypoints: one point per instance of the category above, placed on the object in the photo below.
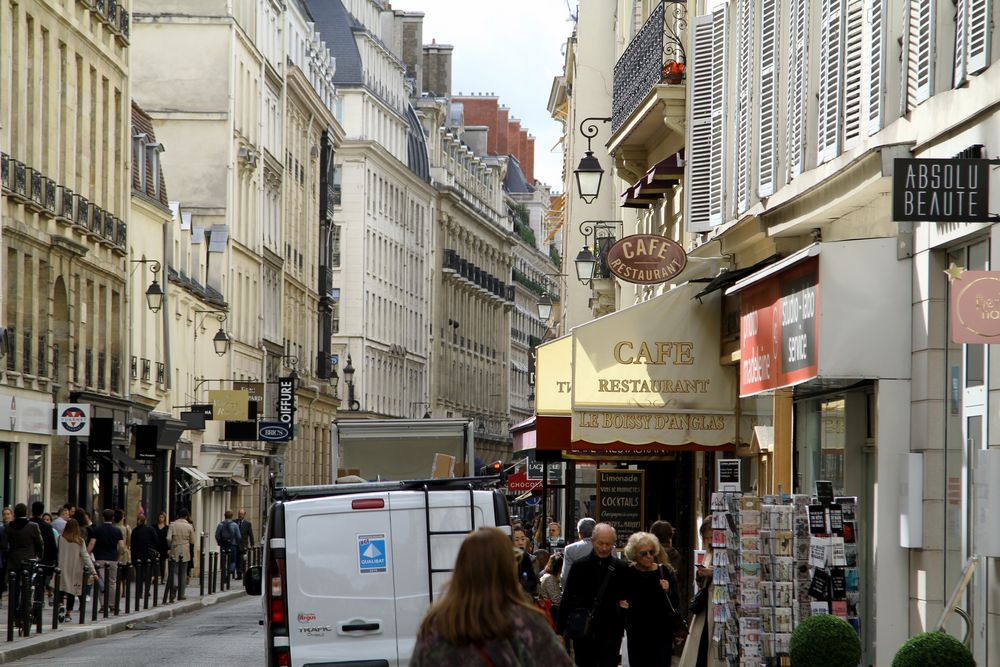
pixel 490 613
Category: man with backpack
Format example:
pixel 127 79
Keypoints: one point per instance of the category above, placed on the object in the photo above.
pixel 227 536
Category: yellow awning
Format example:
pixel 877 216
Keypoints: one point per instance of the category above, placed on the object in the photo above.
pixel 553 372
pixel 651 374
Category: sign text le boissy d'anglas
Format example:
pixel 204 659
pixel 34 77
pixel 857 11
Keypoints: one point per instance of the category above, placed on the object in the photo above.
pixel 931 190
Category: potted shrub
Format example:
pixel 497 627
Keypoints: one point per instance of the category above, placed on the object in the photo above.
pixel 825 641
pixel 929 649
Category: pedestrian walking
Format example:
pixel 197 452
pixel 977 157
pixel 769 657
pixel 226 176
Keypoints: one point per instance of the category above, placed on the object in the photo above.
pixel 76 568
pixel 227 536
pixel 664 532
pixel 555 538
pixel 49 545
pixel 22 540
pixel 526 569
pixel 106 542
pixel 180 537
pixel 697 649
pixel 589 613
pixel 651 602
pixel 549 588
pixel 579 549
pixel 162 545
pixel 59 523
pixel 246 542
pixel 484 617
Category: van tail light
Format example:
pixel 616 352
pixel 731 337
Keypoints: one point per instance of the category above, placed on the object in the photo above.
pixel 282 658
pixel 278 601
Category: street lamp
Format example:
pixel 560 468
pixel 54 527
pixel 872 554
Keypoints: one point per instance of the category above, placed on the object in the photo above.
pixel 603 233
pixel 585 263
pixel 292 361
pixel 352 404
pixel 221 339
pixel 154 293
pixel 334 380
pixel 589 172
pixel 545 307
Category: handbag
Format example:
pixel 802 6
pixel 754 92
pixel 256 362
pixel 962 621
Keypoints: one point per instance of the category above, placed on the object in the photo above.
pixel 579 621
pixel 699 602
pixel 679 627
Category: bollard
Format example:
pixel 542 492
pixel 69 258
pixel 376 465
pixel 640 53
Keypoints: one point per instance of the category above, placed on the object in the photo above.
pixel 211 573
pixel 156 588
pixel 95 593
pixel 11 579
pixel 147 582
pixel 24 595
pixel 140 575
pixel 224 574
pixel 38 605
pixel 201 568
pixel 127 592
pixel 169 583
pixel 56 598
pixel 106 600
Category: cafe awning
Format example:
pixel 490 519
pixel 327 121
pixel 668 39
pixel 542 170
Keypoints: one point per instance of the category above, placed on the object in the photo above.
pixel 655 183
pixel 524 435
pixel 651 374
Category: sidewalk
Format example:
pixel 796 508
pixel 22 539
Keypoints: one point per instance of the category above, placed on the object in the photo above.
pixel 73 633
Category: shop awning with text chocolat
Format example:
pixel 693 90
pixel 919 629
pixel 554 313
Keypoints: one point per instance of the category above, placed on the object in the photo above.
pixel 650 374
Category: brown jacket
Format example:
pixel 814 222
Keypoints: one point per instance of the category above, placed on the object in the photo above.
pixel 180 537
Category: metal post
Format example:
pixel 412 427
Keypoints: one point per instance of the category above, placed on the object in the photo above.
pixel 201 568
pixel 211 573
pixel 146 581
pixel 226 556
pixel 107 590
pixel 25 595
pixel 39 604
pixel 156 584
pixel 95 593
pixel 128 588
pixel 11 578
pixel 56 595
pixel 171 580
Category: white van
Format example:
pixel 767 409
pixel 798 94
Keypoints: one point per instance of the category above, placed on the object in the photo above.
pixel 350 569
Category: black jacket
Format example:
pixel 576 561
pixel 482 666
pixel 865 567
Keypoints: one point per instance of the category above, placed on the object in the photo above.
pixel 22 541
pixel 581 589
pixel 50 551
pixel 144 543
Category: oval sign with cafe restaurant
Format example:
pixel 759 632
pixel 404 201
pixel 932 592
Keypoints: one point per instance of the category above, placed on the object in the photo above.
pixel 646 259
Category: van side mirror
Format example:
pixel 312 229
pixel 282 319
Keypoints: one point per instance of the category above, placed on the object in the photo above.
pixel 252 579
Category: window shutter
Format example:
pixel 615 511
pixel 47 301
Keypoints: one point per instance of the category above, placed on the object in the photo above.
pixel 919 51
pixel 744 113
pixel 830 79
pixel 766 117
pixel 853 66
pixel 720 32
pixel 697 179
pixel 876 63
pixel 798 61
pixel 978 40
pixel 961 34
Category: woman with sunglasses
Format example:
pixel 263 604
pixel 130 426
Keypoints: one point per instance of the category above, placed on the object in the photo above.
pixel 651 602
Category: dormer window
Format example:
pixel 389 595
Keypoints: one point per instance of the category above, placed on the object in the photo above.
pixel 139 142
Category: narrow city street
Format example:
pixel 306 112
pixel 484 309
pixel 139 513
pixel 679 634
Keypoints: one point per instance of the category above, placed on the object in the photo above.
pixel 221 634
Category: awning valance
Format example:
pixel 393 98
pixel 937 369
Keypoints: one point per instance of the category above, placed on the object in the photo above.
pixel 196 474
pixel 655 183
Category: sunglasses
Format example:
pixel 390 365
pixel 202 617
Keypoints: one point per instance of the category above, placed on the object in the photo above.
pixel 646 553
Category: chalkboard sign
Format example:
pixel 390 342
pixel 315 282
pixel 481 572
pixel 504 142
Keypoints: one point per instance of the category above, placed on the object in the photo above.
pixel 620 501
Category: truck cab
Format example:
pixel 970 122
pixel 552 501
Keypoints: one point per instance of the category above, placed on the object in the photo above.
pixel 349 569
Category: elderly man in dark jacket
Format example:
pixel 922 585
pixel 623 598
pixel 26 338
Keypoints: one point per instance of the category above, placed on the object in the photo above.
pixel 22 539
pixel 583 591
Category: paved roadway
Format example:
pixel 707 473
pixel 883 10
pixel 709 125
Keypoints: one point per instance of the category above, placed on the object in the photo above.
pixel 219 635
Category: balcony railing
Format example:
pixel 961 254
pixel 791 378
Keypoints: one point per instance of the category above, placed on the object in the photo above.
pixel 101 361
pixel 654 56
pixel 116 373
pixel 43 348
pixel 88 368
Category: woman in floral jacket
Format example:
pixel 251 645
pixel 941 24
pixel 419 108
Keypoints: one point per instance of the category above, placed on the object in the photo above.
pixel 485 618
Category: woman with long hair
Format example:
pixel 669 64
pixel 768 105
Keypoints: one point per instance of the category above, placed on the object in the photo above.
pixel 74 564
pixel 162 546
pixel 484 617
pixel 550 588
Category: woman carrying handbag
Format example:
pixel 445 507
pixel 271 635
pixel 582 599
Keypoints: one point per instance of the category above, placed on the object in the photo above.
pixel 651 602
pixel 699 649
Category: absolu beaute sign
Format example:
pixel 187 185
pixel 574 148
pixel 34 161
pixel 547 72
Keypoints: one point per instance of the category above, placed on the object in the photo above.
pixel 929 190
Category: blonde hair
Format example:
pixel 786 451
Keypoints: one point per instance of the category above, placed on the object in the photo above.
pixel 476 606
pixel 636 542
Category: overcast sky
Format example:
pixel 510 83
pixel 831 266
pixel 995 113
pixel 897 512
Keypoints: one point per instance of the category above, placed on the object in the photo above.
pixel 512 48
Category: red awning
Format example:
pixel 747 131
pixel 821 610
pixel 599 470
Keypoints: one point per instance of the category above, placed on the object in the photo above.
pixel 553 434
pixel 658 181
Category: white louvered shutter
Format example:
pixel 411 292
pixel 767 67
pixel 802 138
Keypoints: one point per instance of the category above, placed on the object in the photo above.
pixel 767 119
pixel 720 42
pixel 854 62
pixel 798 71
pixel 919 51
pixel 744 111
pixel 831 83
pixel 697 177
pixel 876 66
pixel 961 37
pixel 978 35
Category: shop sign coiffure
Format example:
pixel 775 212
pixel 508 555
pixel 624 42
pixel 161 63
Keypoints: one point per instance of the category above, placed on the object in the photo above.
pixel 926 190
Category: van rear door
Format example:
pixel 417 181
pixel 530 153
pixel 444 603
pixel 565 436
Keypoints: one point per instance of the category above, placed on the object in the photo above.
pixel 340 580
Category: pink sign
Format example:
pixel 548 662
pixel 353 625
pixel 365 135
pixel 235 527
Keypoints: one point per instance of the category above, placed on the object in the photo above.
pixel 975 307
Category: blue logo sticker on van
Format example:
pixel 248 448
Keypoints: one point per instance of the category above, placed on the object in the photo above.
pixel 371 553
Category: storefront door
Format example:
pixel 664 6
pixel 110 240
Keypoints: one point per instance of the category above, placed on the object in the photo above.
pixel 968 366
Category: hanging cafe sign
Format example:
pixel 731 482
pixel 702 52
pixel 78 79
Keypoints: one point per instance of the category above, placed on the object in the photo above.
pixel 932 190
pixel 646 259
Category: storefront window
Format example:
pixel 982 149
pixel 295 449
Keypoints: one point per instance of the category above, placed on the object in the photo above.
pixel 821 427
pixel 36 473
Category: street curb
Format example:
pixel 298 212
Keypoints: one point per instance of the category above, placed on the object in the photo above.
pixel 75 633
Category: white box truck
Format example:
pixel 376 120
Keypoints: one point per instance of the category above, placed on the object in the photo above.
pixel 350 569
pixel 399 449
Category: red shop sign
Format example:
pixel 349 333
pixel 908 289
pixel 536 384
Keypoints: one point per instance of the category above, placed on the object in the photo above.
pixel 779 329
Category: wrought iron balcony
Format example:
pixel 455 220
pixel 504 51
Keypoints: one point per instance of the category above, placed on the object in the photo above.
pixel 655 55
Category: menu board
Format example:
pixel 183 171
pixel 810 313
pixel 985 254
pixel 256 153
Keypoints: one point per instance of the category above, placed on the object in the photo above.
pixel 620 501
